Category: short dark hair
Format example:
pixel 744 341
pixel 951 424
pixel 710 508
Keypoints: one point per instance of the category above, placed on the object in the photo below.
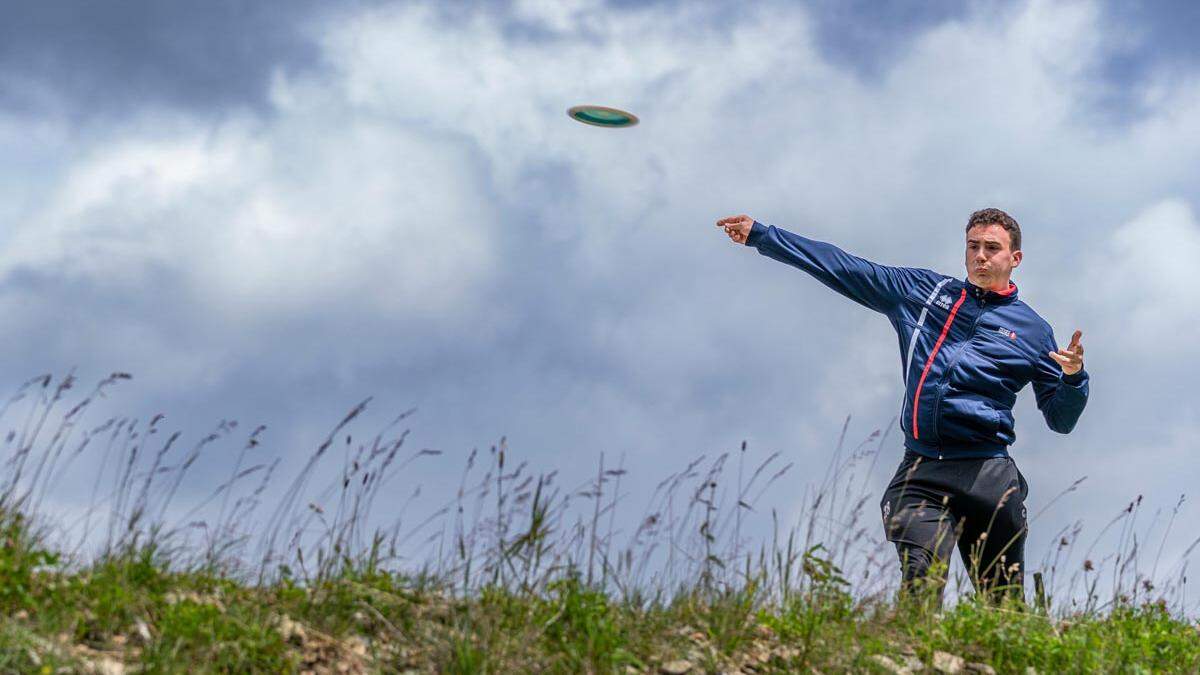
pixel 997 217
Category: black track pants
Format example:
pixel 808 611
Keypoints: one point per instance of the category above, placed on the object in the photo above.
pixel 979 504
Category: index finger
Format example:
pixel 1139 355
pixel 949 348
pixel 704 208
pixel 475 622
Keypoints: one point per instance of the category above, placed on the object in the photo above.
pixel 731 219
pixel 1075 339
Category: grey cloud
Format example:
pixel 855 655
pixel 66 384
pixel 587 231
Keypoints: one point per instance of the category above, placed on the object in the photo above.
pixel 87 58
pixel 116 57
pixel 868 36
pixel 860 35
pixel 1161 32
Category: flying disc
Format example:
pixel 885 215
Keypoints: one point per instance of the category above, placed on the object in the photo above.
pixel 602 116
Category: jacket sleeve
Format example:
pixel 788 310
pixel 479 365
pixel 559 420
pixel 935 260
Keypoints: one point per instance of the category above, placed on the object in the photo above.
pixel 875 286
pixel 1060 397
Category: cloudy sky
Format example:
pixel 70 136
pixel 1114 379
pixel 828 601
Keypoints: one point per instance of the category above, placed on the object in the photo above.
pixel 268 211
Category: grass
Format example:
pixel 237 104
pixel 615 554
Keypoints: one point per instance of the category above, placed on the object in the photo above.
pixel 388 623
pixel 513 572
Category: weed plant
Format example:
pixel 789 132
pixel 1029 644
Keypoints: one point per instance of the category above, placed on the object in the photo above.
pixel 513 571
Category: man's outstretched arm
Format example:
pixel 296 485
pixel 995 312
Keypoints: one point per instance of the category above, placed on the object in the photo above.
pixel 1062 388
pixel 878 287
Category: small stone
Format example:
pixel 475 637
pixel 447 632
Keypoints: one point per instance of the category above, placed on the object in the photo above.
pixel 142 631
pixel 357 645
pixel 912 663
pixel 677 667
pixel 888 664
pixel 291 631
pixel 787 653
pixel 104 666
pixel 21 615
pixel 1030 670
pixel 949 664
pixel 982 668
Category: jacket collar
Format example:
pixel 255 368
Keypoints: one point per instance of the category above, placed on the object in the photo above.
pixel 1002 297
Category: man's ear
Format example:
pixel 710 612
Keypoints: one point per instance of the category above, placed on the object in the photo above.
pixel 1016 258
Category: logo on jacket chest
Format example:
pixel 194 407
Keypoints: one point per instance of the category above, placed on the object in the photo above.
pixel 1004 332
pixel 943 302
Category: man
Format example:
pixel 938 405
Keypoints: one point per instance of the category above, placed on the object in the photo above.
pixel 967 348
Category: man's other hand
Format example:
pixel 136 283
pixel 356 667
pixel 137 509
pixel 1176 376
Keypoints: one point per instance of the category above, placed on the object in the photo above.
pixel 1071 356
pixel 737 227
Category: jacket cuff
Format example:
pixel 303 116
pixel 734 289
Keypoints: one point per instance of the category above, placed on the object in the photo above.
pixel 757 232
pixel 1076 379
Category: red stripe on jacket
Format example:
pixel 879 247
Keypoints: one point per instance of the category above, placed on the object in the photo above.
pixel 929 362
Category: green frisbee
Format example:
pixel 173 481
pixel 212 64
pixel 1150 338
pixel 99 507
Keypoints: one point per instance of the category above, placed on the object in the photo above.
pixel 602 116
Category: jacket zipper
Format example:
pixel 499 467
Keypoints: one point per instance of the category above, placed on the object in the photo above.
pixel 929 362
pixel 937 403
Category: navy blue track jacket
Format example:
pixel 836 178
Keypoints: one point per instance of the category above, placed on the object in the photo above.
pixel 965 351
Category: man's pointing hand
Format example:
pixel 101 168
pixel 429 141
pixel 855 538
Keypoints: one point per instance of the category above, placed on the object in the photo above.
pixel 1071 356
pixel 737 227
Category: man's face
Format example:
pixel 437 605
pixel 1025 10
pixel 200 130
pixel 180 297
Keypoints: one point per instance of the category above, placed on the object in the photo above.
pixel 990 258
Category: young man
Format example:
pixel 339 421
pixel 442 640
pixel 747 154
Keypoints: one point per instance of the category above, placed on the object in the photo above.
pixel 967 347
